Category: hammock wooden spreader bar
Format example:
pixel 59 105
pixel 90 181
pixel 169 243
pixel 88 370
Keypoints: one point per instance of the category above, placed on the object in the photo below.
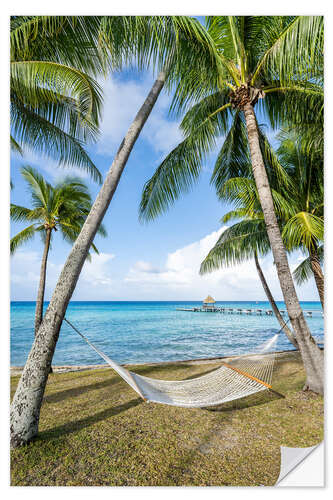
pixel 247 375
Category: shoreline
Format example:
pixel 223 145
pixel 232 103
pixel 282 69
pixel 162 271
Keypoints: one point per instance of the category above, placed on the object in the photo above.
pixel 16 370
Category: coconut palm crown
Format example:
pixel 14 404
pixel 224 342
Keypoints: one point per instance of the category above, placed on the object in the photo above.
pixel 259 60
pixel 270 64
pixel 62 208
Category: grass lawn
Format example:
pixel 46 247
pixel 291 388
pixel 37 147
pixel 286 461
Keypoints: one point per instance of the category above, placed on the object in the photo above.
pixel 94 430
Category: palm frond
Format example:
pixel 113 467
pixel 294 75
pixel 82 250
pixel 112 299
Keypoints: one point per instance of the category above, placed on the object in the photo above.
pixel 40 136
pixel 295 52
pixel 242 192
pixel 72 40
pixel 178 171
pixel 297 105
pixel 303 271
pixel 237 244
pixel 40 189
pixel 20 214
pixel 15 147
pixel 93 246
pixel 233 158
pixel 238 213
pixel 22 237
pixel 303 230
pixel 36 81
pixel 207 111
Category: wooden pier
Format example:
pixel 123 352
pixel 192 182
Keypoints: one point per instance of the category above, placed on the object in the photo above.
pixel 233 310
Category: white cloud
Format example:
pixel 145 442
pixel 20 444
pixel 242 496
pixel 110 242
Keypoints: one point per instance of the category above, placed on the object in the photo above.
pixel 179 278
pixel 97 272
pixel 52 168
pixel 24 267
pixel 122 100
pixel 25 274
pixel 94 281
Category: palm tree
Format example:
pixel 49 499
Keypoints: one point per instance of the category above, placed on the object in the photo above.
pixel 273 61
pixel 243 241
pixel 63 208
pixel 172 44
pixel 298 201
pixel 305 226
pixel 297 190
pixel 54 101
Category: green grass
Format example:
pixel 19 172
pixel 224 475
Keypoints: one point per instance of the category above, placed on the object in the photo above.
pixel 94 430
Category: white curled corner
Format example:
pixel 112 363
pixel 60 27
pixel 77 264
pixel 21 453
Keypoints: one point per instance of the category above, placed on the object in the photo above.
pixel 291 458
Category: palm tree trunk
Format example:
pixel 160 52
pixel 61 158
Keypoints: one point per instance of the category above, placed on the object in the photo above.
pixel 317 273
pixel 272 302
pixel 41 288
pixel 312 356
pixel 25 407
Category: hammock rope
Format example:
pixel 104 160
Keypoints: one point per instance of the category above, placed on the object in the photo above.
pixel 239 377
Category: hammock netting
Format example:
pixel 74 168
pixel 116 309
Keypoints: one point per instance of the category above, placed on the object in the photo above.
pixel 240 377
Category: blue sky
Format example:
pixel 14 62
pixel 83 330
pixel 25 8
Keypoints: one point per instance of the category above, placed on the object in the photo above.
pixel 155 261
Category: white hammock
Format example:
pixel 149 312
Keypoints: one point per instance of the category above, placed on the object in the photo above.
pixel 240 377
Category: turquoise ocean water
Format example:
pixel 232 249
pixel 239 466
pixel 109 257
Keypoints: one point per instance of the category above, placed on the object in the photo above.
pixel 137 332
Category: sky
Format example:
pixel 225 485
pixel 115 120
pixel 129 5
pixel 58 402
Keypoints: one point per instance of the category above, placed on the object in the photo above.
pixel 155 261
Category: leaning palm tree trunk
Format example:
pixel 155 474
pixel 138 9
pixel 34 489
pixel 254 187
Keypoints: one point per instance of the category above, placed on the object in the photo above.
pixel 272 302
pixel 311 354
pixel 25 407
pixel 41 288
pixel 317 273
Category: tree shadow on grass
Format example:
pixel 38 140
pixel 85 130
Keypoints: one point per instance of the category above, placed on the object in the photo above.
pixel 257 399
pixel 78 391
pixel 77 425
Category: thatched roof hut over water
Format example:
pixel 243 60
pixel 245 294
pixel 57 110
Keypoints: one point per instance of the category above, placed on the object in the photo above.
pixel 208 301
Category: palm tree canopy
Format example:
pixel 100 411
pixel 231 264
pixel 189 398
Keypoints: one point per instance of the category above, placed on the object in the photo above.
pixel 259 57
pixel 63 207
pixel 237 244
pixel 305 195
pixel 55 101
pixel 298 202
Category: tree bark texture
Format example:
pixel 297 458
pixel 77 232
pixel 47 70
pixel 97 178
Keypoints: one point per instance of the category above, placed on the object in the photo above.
pixel 317 273
pixel 42 279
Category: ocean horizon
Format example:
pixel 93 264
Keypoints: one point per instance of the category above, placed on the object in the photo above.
pixel 154 331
